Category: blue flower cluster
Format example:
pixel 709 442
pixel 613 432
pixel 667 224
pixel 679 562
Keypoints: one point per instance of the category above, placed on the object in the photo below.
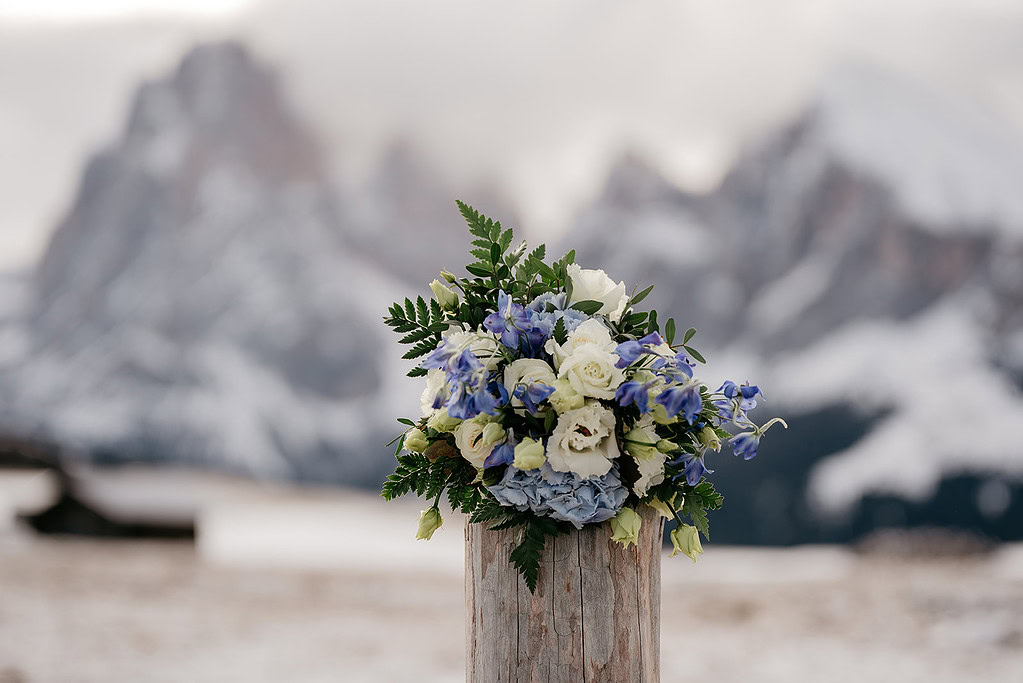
pixel 675 370
pixel 527 328
pixel 469 388
pixel 736 400
pixel 562 495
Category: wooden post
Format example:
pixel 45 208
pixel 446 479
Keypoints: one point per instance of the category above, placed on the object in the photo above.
pixel 595 616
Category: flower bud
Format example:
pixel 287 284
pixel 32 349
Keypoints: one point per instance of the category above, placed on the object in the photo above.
pixel 429 521
pixel 666 446
pixel 709 438
pixel 565 397
pixel 445 297
pixel 686 539
pixel 625 527
pixel 449 276
pixel 661 415
pixel 529 454
pixel 442 422
pixel 639 444
pixel 662 508
pixel 492 433
pixel 416 441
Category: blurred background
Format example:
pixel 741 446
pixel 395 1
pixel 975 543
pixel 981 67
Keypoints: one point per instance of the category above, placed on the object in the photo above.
pixel 208 205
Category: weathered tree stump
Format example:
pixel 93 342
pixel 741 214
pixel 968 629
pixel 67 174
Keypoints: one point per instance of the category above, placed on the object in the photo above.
pixel 595 615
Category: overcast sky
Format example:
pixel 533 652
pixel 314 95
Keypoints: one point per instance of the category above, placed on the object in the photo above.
pixel 539 96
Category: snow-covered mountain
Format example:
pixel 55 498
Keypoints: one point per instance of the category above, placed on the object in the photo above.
pixel 201 301
pixel 867 258
pixel 404 218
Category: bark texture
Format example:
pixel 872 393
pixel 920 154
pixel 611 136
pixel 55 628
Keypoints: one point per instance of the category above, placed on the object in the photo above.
pixel 595 616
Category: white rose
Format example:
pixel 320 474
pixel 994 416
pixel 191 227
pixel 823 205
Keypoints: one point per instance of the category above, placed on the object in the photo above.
pixel 435 380
pixel 470 441
pixel 591 371
pixel 583 441
pixel 591 331
pixel 525 371
pixel 483 344
pixel 595 285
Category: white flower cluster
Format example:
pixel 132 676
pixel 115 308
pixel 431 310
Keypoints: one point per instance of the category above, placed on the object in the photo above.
pixel 581 375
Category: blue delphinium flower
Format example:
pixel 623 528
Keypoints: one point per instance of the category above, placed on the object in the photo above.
pixel 510 320
pixel 468 389
pixel 683 398
pixel 652 339
pixel 745 444
pixel 695 467
pixel 503 454
pixel 562 495
pixel 629 352
pixel 676 369
pixel 635 392
pixel 738 399
pixel 747 392
pixel 532 395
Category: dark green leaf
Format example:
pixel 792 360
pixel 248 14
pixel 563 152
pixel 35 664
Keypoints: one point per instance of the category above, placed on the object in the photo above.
pixel 688 335
pixel 560 333
pixel 694 353
pixel 642 295
pixel 506 239
pixel 669 330
pixel 423 310
pixel 589 306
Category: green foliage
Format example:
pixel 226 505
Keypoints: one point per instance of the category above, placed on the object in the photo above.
pixel 589 307
pixel 527 554
pixel 694 510
pixel 642 295
pixel 411 474
pixel 669 330
pixel 421 324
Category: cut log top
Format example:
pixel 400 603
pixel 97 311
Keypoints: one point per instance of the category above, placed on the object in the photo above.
pixel 594 618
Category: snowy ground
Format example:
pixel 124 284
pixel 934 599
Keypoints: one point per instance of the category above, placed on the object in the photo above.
pixel 77 611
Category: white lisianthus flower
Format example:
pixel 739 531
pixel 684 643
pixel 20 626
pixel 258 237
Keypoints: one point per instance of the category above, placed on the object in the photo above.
pixel 641 441
pixel 591 371
pixel 435 380
pixel 525 371
pixel 591 331
pixel 651 473
pixel 482 343
pixel 649 459
pixel 470 441
pixel 583 441
pixel 595 285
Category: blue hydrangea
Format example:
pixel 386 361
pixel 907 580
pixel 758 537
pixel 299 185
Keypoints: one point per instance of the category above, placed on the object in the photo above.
pixel 562 495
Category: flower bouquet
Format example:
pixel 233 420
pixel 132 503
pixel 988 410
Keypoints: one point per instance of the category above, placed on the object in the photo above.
pixel 551 402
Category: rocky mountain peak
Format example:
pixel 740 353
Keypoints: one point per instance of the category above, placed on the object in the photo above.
pixel 195 304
